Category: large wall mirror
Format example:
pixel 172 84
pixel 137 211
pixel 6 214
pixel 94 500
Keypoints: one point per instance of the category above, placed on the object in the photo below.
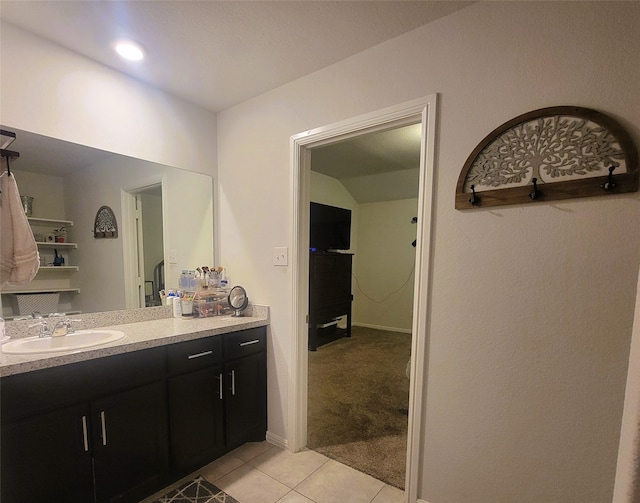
pixel 164 216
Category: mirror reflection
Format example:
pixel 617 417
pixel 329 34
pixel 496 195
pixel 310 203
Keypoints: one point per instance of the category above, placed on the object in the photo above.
pixel 164 217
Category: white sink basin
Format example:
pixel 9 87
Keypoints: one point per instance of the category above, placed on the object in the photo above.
pixel 80 339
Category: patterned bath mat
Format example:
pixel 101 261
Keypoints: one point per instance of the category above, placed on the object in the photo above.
pixel 197 490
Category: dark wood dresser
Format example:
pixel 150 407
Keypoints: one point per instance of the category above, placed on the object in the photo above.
pixel 329 296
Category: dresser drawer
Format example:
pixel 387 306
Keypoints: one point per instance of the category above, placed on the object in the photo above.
pixel 193 355
pixel 246 342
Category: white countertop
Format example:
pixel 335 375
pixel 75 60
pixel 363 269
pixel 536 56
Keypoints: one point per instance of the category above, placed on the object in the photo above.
pixel 139 335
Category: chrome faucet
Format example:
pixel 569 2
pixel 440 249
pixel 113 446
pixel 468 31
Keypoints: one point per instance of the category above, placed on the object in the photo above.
pixel 57 328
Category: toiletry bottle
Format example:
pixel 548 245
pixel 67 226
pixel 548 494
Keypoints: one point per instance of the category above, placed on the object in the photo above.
pixel 170 297
pixel 177 306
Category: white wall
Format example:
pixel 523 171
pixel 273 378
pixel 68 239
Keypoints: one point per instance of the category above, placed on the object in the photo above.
pixel 532 305
pixel 48 90
pixel 384 279
pixel 47 191
pixel 51 91
pixel 187 230
pixel 328 190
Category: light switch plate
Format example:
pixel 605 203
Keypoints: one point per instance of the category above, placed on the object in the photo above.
pixel 281 255
pixel 173 257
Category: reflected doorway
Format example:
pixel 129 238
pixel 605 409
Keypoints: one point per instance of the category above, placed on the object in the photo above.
pixel 144 218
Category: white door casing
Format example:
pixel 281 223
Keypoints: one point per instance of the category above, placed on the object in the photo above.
pixel 424 111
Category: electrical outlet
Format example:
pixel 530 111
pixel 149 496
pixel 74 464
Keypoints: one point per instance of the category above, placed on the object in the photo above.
pixel 280 255
pixel 173 257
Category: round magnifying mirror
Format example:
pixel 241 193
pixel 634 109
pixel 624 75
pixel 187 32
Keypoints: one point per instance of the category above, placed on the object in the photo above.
pixel 238 300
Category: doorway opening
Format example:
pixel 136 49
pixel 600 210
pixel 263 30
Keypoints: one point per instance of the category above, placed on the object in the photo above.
pixel 358 386
pixel 143 242
pixel 422 111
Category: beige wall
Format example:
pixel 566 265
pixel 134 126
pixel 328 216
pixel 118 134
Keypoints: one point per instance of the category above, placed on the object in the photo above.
pixel 532 305
pixel 384 279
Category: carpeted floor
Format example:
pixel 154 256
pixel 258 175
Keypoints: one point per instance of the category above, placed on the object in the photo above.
pixel 358 401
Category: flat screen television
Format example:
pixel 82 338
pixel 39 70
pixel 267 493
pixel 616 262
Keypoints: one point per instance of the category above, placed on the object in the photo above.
pixel 330 228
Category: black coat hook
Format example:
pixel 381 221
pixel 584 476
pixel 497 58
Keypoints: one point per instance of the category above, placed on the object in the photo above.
pixel 475 200
pixel 534 195
pixel 609 184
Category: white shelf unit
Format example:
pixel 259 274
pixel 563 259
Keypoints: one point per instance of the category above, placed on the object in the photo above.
pixel 50 278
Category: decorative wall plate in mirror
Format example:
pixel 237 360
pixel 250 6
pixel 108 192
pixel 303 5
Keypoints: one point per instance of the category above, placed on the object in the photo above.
pixel 106 225
pixel 547 154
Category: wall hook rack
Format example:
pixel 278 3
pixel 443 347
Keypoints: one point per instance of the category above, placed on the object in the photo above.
pixel 475 200
pixel 568 149
pixel 535 194
pixel 609 184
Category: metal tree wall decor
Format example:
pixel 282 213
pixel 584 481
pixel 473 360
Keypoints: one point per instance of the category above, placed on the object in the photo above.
pixel 105 225
pixel 547 154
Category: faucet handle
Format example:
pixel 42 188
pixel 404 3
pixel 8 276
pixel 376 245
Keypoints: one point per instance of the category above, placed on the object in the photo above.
pixel 69 321
pixel 44 328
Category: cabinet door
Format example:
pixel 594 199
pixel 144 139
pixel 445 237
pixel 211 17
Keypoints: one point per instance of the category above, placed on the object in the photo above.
pixel 47 458
pixel 196 418
pixel 130 443
pixel 246 400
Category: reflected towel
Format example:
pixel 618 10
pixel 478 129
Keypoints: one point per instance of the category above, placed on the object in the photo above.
pixel 19 258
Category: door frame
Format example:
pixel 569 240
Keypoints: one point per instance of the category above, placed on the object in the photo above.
pixel 423 111
pixel 130 250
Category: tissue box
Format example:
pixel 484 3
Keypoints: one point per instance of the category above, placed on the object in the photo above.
pixel 44 303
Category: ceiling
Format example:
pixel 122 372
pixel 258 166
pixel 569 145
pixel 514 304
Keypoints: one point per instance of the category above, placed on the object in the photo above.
pixel 222 53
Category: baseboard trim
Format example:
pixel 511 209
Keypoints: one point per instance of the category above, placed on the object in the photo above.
pixel 388 329
pixel 277 440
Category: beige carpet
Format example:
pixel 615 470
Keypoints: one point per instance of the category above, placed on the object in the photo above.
pixel 358 401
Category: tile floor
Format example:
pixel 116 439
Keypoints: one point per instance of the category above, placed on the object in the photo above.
pixel 263 473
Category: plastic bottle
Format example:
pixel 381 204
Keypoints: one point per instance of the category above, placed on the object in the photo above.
pixel 177 307
pixel 170 297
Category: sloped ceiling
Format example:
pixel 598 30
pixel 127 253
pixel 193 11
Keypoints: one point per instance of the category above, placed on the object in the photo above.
pixel 374 167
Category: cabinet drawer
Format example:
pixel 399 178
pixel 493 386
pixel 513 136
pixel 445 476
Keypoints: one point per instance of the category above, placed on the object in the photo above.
pixel 26 394
pixel 244 343
pixel 193 355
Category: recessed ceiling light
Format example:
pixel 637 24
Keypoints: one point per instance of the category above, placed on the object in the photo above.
pixel 129 50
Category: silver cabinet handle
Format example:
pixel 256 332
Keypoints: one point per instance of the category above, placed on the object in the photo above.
pixel 248 343
pixel 103 422
pixel 220 385
pixel 233 382
pixel 85 439
pixel 199 355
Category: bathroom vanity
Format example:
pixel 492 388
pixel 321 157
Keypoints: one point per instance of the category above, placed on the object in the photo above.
pixel 117 423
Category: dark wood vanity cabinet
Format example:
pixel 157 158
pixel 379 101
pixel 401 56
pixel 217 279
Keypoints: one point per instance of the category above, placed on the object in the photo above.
pixel 117 429
pixel 130 451
pixel 43 458
pixel 217 396
pixel 90 431
pixel 196 410
pixel 245 374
